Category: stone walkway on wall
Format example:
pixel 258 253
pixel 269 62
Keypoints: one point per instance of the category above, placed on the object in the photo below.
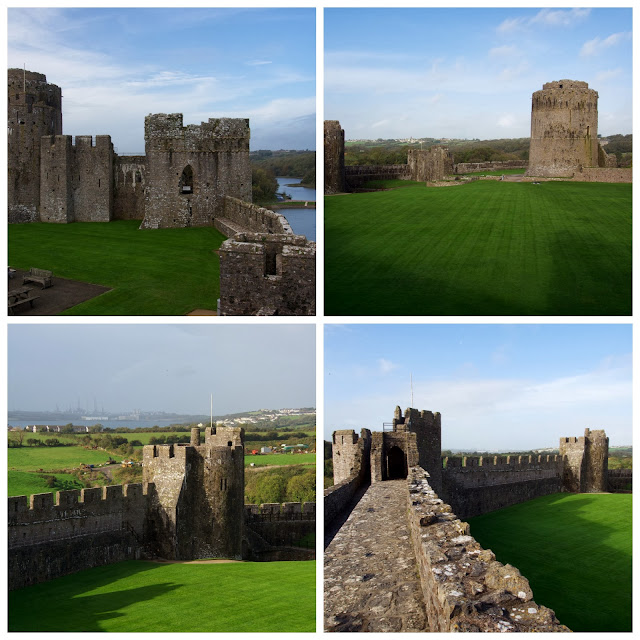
pixel 370 575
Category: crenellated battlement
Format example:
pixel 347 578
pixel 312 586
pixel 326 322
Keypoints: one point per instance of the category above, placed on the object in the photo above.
pixel 275 511
pixel 472 484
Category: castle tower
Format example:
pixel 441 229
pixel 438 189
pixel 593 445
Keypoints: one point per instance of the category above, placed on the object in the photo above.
pixel 334 181
pixel 199 502
pixel 191 169
pixel 350 454
pixel 586 462
pixel 564 129
pixel 427 427
pixel 34 110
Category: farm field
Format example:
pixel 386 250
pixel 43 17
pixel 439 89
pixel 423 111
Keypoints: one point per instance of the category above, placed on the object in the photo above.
pixel 484 248
pixel 151 272
pixel 280 459
pixel 575 550
pixel 25 483
pixel 52 458
pixel 141 596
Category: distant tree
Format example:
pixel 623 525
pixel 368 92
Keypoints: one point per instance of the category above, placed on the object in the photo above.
pixel 33 442
pixel 302 488
pixel 263 185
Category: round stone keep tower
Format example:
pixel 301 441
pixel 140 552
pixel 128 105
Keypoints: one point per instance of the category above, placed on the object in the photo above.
pixel 34 110
pixel 564 129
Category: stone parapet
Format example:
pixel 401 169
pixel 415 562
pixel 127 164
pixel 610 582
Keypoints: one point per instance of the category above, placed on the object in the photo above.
pixel 465 589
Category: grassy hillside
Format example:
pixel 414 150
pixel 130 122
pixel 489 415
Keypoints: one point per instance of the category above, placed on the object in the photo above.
pixel 150 597
pixel 575 550
pixel 151 272
pixel 52 458
pixel 484 248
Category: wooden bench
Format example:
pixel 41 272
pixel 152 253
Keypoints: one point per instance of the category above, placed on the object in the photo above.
pixel 15 303
pixel 42 276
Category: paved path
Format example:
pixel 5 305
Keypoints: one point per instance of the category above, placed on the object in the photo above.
pixel 370 569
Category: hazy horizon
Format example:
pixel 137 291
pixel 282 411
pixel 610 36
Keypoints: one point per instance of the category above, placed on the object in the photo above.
pixel 172 368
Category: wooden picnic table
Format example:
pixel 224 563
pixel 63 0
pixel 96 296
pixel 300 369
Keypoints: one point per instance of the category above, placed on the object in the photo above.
pixel 19 296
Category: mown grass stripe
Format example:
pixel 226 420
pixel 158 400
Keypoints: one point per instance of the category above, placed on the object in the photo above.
pixel 483 248
pixel 575 550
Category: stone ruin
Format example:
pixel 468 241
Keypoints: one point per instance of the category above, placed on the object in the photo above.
pixel 189 506
pixel 564 131
pixel 192 175
pixel 564 144
pixel 463 587
pixel 428 165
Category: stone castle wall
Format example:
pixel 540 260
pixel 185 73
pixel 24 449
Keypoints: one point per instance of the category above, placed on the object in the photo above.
pixel 267 274
pixel 619 480
pixel 564 129
pixel 129 186
pixel 602 174
pixel 251 217
pixel 334 169
pixel 465 588
pixel 429 165
pixel 357 175
pixel 190 169
pixel 281 525
pixel 34 110
pixel 472 167
pixel 51 536
pixel 473 486
pixel 351 471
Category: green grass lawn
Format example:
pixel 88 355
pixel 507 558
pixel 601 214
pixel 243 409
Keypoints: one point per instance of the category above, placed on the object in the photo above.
pixel 575 550
pixel 25 483
pixel 151 272
pixel 52 458
pixel 144 596
pixel 484 248
pixel 281 459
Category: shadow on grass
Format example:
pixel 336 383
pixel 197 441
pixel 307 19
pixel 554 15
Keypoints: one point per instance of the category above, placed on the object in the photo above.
pixel 572 562
pixel 603 285
pixel 63 605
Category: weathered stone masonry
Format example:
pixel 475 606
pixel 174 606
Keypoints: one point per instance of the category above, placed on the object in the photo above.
pixel 464 588
pixel 35 110
pixel 190 506
pixel 193 175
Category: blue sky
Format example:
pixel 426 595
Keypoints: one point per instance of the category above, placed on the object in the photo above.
pixel 115 66
pixel 469 73
pixel 171 368
pixel 496 386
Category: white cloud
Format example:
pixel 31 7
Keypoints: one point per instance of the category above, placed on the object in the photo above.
pixel 598 45
pixel 257 63
pixel 544 17
pixel 504 51
pixel 505 412
pixel 386 366
pixel 603 76
pixel 560 17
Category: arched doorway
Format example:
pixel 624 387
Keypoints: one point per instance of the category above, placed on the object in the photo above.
pixel 186 181
pixel 396 464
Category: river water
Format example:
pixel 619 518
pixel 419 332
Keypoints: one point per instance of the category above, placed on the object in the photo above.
pixel 113 424
pixel 302 220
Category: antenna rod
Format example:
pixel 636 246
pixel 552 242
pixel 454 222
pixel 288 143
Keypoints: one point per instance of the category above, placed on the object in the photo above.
pixel 211 411
pixel 411 379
